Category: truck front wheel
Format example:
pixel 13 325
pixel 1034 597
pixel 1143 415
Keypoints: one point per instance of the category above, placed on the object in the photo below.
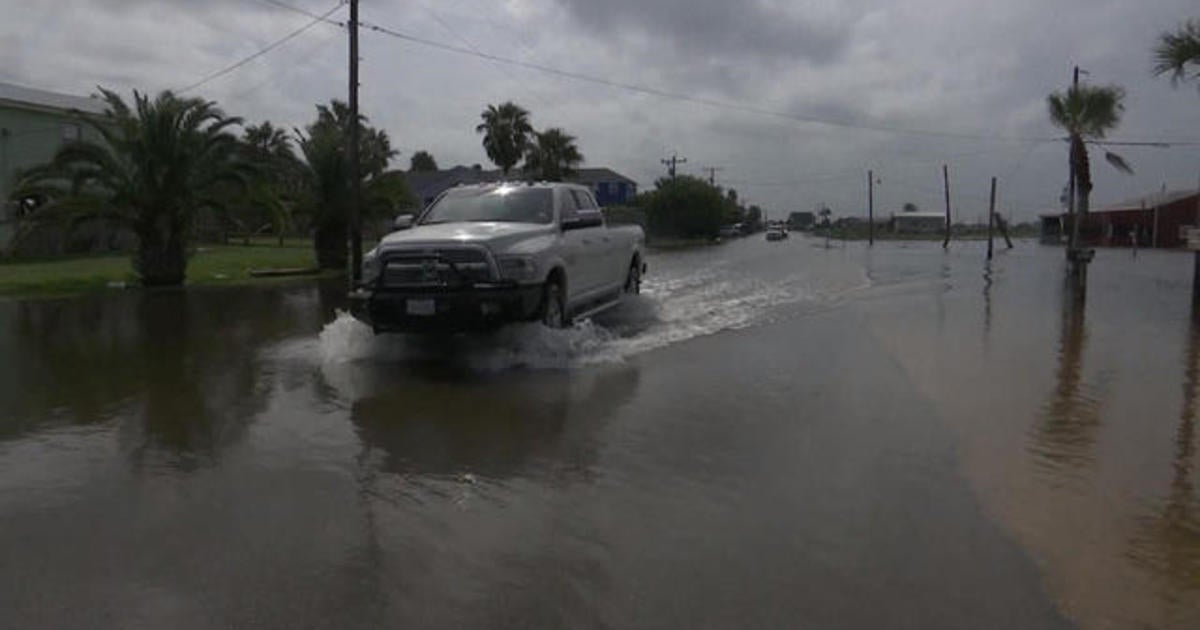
pixel 633 282
pixel 553 307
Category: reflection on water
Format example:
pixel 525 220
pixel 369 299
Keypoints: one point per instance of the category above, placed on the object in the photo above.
pixel 1064 437
pixel 987 298
pixel 427 427
pixel 1167 538
pixel 179 371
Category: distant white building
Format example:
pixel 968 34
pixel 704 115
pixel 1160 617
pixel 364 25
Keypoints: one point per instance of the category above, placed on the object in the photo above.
pixel 918 222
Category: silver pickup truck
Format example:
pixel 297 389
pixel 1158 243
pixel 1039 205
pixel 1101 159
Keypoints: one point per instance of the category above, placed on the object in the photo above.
pixel 483 255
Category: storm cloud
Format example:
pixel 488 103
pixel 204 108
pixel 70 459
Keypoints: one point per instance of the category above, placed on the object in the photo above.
pixel 749 31
pixel 837 87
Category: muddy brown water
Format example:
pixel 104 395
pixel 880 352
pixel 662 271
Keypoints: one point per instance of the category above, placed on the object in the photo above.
pixel 774 435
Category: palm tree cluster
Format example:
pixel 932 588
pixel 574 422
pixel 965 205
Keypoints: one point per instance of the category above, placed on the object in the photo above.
pixel 162 164
pixel 508 136
pixel 271 199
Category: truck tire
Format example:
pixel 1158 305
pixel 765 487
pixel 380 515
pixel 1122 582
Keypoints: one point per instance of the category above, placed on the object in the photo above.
pixel 633 281
pixel 553 311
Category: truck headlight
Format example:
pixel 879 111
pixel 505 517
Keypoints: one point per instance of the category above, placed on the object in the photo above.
pixel 518 268
pixel 370 267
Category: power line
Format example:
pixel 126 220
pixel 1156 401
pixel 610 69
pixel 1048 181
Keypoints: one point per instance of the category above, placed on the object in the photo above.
pixel 262 51
pixel 577 76
pixel 298 62
pixel 295 9
pixel 684 97
pixel 475 49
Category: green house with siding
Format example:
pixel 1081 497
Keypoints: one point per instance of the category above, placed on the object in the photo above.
pixel 33 125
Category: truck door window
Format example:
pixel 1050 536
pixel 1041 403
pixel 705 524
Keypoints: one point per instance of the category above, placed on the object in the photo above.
pixel 568 206
pixel 584 200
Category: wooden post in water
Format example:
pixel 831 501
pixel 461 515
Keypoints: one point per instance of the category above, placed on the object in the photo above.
pixel 991 217
pixel 946 186
pixel 870 207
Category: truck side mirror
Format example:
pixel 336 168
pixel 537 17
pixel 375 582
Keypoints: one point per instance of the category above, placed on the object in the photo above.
pixel 402 222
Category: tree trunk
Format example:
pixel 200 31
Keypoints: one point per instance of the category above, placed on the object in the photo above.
pixel 329 241
pixel 161 257
pixel 1083 175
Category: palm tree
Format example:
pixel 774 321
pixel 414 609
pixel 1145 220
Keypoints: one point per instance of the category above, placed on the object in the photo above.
pixel 506 131
pixel 422 161
pixel 326 177
pixel 1178 52
pixel 553 156
pixel 1086 113
pixel 271 197
pixel 160 163
pixel 268 140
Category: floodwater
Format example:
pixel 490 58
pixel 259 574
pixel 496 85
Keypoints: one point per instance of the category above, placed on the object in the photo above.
pixel 774 435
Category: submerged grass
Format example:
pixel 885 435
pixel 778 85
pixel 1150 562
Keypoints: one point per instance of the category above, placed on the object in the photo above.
pixel 208 265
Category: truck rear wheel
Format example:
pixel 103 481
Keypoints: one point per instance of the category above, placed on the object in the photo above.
pixel 554 313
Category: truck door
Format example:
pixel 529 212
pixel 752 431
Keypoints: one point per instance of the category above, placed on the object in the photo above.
pixel 609 272
pixel 577 250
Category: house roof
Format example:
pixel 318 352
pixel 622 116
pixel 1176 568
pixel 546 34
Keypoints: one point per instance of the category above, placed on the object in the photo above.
pixel 431 183
pixel 426 184
pixel 594 175
pixel 30 98
pixel 1149 201
pixel 919 215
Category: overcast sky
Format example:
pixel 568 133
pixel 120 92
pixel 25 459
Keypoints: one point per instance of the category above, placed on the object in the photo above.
pixel 974 68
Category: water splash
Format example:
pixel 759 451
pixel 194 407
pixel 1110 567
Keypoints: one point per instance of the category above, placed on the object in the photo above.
pixel 671 310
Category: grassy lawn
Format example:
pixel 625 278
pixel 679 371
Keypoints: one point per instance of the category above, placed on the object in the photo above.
pixel 209 265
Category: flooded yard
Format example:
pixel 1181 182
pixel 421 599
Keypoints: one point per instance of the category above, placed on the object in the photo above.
pixel 773 435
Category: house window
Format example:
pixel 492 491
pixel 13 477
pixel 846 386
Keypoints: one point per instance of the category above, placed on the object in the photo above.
pixel 602 189
pixel 621 191
pixel 70 133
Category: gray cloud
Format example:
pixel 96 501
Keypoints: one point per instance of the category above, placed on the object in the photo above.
pixel 707 29
pixel 978 68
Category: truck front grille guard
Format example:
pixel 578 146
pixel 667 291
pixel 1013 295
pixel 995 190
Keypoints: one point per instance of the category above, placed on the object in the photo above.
pixel 463 278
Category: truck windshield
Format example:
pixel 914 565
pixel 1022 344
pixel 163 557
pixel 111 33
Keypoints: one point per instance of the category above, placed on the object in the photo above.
pixel 509 204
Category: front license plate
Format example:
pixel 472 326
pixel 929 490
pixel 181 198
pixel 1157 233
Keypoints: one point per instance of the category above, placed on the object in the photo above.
pixel 421 307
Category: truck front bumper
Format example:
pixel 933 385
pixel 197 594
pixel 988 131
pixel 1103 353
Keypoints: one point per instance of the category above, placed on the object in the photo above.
pixel 445 309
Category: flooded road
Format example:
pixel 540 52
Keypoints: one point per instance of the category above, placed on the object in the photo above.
pixel 774 435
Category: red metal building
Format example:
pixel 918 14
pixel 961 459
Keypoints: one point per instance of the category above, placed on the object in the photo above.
pixel 1155 220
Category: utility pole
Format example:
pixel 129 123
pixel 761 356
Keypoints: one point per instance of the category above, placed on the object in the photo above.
pixel 946 186
pixel 356 252
pixel 712 173
pixel 670 163
pixel 991 217
pixel 870 207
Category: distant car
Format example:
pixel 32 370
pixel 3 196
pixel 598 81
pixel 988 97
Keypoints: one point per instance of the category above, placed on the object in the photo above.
pixel 776 234
pixel 731 231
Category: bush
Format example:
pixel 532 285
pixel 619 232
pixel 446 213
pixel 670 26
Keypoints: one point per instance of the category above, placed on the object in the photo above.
pixel 683 207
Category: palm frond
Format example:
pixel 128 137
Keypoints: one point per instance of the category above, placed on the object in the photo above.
pixel 1178 51
pixel 1087 110
pixel 1118 162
